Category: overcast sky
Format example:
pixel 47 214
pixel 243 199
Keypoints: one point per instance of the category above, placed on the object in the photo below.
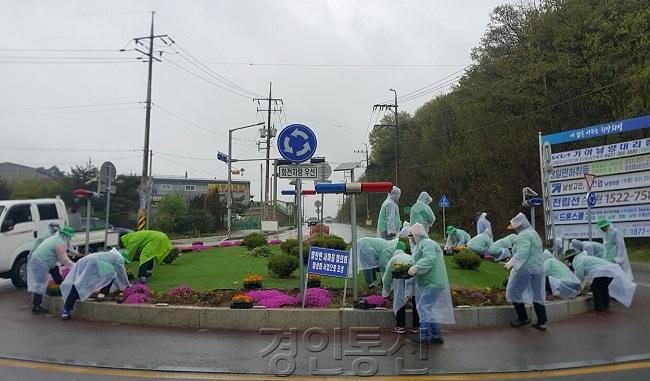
pixel 68 93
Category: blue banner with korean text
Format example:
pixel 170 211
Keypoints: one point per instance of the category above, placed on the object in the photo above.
pixel 328 262
pixel 598 130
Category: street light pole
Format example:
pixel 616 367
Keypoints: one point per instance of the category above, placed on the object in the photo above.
pixel 396 141
pixel 230 160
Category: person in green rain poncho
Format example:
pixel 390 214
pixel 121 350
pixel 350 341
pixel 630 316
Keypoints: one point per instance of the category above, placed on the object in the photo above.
pixel 421 212
pixel 149 247
pixel 389 223
pixel 456 237
pixel 560 280
pixel 373 254
pixel 614 243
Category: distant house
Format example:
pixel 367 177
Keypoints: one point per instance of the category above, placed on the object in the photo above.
pixel 13 171
pixel 194 187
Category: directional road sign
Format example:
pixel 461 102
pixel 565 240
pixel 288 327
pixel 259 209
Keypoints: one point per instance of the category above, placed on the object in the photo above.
pixel 106 171
pixel 297 143
pixel 298 172
pixel 222 157
pixel 443 202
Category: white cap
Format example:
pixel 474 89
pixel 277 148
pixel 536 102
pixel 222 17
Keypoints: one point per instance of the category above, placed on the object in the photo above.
pixel 517 221
pixel 418 230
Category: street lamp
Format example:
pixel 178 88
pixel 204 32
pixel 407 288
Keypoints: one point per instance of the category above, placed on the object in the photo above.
pixel 230 160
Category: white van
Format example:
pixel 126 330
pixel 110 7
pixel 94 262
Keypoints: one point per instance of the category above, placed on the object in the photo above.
pixel 21 222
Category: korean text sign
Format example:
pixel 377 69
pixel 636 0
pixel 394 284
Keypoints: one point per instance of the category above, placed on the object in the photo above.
pixel 328 262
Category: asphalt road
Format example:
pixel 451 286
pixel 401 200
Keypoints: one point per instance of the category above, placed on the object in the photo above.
pixel 97 351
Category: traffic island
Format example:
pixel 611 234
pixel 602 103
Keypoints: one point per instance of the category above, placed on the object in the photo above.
pixel 325 318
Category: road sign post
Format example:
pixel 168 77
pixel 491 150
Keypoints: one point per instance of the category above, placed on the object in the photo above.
pixel 107 174
pixel 297 143
pixel 444 203
pixel 591 200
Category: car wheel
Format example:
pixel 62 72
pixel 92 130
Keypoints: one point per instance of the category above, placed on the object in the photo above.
pixel 19 272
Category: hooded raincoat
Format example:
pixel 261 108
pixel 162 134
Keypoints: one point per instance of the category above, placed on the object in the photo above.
pixel 458 238
pixel 594 249
pixel 484 226
pixel 480 244
pixel 432 291
pixel 497 248
pixel 95 271
pixel 621 288
pixel 374 252
pixel 402 288
pixel 149 244
pixel 42 260
pixel 389 222
pixel 421 212
pixel 615 250
pixel 526 283
pixel 564 283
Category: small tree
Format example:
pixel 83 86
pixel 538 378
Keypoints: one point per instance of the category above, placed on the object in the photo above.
pixel 5 190
pixel 172 209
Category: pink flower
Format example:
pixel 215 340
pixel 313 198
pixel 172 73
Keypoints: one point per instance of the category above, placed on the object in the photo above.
pixel 272 298
pixel 275 242
pixel 136 299
pixel 179 290
pixel 376 300
pixel 318 297
pixel 64 272
pixel 137 289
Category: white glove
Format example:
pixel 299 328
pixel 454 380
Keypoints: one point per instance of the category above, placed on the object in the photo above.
pixel 385 293
pixel 413 270
pixel 508 265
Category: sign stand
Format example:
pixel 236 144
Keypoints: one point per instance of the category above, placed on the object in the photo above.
pixel 591 199
pixel 444 204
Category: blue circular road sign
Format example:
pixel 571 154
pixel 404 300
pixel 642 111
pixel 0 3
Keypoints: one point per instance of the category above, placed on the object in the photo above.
pixel 297 143
pixel 591 199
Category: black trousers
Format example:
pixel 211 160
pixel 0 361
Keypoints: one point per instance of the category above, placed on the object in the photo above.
pixel 549 291
pixel 74 296
pixel 522 315
pixel 37 299
pixel 600 289
pixel 145 269
pixel 400 316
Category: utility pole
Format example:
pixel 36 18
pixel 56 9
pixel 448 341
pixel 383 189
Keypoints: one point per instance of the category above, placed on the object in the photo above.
pixel 365 151
pixel 270 133
pixel 396 125
pixel 144 202
pixel 149 189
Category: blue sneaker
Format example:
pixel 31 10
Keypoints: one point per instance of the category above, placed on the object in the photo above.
pixel 65 315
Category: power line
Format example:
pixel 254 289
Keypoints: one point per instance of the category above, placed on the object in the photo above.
pixel 61 50
pixel 207 80
pixel 67 149
pixel 296 64
pixel 70 62
pixel 67 106
pixel 22 115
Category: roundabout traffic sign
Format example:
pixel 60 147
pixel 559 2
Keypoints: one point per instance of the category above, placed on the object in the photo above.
pixel 297 143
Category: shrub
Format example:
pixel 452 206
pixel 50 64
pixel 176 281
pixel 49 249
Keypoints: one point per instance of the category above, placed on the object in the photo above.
pixel 261 251
pixel 467 260
pixel 287 245
pixel 331 242
pixel 283 265
pixel 305 252
pixel 254 240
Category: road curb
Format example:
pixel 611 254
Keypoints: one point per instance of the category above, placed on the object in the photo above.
pixel 301 319
pixel 640 266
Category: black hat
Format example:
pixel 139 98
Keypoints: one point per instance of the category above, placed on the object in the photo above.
pixel 570 253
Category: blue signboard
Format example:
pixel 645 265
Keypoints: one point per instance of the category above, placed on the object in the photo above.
pixel 591 199
pixel 222 157
pixel 297 143
pixel 328 262
pixel 443 202
pixel 598 130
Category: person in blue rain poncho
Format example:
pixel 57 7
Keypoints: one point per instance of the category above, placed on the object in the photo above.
pixel 432 293
pixel 483 225
pixel 560 280
pixel 526 280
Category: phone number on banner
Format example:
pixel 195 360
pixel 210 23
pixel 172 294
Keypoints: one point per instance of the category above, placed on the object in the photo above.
pixel 629 229
pixel 611 198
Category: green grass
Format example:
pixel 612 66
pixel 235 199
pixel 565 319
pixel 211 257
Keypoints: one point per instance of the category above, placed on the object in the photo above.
pixel 221 268
pixel 638 254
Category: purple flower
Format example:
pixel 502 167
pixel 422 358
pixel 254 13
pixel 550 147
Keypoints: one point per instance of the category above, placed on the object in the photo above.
pixel 272 298
pixel 318 297
pixel 376 300
pixel 275 242
pixel 229 243
pixel 64 272
pixel 136 299
pixel 137 289
pixel 479 295
pixel 179 290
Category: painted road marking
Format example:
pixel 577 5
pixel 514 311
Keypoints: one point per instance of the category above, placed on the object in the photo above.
pixel 598 369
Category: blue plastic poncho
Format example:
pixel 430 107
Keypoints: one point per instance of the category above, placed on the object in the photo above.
pixel 458 238
pixel 615 250
pixel 43 259
pixel 95 271
pixel 374 252
pixel 402 288
pixel 484 226
pixel 564 283
pixel 421 212
pixel 480 244
pixel 621 288
pixel 389 222
pixel 526 280
pixel 432 291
